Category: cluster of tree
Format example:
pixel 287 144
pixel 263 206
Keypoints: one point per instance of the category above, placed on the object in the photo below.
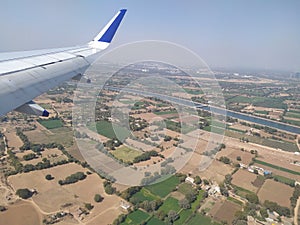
pixel 151 206
pixel 77 134
pixel 199 100
pixel 215 150
pixel 281 210
pixel 241 216
pixel 225 160
pixel 168 160
pixel 295 196
pixel 29 156
pixel 45 164
pixel 150 178
pixel 129 192
pixel 98 198
pixel 24 193
pixel 191 196
pixel 224 190
pixel 14 161
pixel 112 144
pixel 109 189
pixel 137 124
pixel 2 208
pixel 73 178
pixel 181 177
pixel 168 169
pixel 244 140
pixel 197 180
pixel 169 218
pixel 264 212
pixel 121 218
pixel 172 217
pixel 184 204
pixel 88 206
pixel 146 156
pixel 24 138
pixel 252 198
pixel 167 138
pixel 49 177
pixel 253 152
pixel 228 178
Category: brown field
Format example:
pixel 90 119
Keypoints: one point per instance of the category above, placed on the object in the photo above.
pixel 225 211
pixel 51 196
pixel 243 178
pixel 106 217
pixel 85 192
pixel 149 117
pixel 283 159
pixel 139 145
pixel 233 152
pixel 216 171
pixel 61 135
pixel 267 154
pixel 21 213
pixel 275 192
pixel 54 155
pixel 75 152
pixel 240 127
pixel 13 140
pixel 259 181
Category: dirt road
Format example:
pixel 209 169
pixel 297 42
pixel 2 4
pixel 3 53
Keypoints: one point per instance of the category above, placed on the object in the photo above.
pixel 296 210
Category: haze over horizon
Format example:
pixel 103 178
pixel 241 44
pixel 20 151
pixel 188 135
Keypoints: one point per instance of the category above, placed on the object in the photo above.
pixel 230 34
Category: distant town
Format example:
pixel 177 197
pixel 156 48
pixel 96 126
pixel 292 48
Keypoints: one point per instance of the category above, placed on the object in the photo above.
pixel 253 178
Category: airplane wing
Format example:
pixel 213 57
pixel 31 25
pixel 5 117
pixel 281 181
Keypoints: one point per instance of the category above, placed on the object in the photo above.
pixel 26 75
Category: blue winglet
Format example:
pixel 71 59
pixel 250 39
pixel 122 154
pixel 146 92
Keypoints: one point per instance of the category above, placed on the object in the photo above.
pixel 111 30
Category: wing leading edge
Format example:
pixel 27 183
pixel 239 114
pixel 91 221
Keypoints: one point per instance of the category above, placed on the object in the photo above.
pixel 26 75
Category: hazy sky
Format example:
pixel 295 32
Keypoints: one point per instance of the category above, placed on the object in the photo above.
pixel 261 34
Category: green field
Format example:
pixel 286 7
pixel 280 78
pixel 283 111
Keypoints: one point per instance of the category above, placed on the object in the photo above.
pixel 235 201
pixel 293 122
pixel 194 91
pixel 283 180
pixel 183 216
pixel 203 220
pixel 162 189
pixel 144 194
pixel 51 123
pixel 170 204
pixel 165 112
pixel 198 200
pixel 155 221
pixel 216 130
pixel 261 112
pixel 293 115
pixel 268 102
pixel 106 129
pixel 185 188
pixel 136 218
pixel 236 130
pixel 242 192
pixel 276 167
pixel 126 154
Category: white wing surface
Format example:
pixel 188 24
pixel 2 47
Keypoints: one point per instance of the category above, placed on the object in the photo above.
pixel 26 75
